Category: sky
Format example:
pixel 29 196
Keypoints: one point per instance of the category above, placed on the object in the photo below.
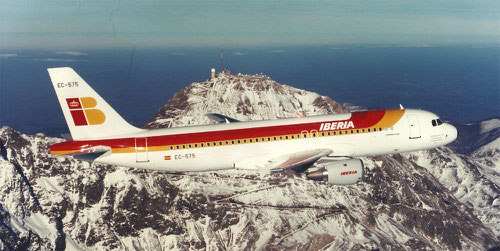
pixel 101 24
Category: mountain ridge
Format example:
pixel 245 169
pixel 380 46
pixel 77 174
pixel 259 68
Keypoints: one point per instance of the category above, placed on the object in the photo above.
pixel 400 204
pixel 235 95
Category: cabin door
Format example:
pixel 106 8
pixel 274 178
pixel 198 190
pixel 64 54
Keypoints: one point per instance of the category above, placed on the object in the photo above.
pixel 305 135
pixel 313 134
pixel 141 150
pixel 414 126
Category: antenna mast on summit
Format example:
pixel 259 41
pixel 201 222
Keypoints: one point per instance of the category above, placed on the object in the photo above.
pixel 221 60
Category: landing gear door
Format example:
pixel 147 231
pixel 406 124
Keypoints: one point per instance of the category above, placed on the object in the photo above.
pixel 141 150
pixel 414 126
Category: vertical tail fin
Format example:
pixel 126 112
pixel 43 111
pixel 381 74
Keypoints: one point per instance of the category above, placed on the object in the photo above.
pixel 87 114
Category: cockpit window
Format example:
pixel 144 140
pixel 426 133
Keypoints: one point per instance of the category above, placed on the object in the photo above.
pixel 436 122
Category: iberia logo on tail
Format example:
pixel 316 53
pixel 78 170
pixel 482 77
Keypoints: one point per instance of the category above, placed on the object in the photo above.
pixel 83 111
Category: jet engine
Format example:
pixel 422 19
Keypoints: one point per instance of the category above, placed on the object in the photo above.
pixel 339 172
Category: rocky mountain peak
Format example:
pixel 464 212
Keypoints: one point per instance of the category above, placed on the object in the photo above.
pixel 241 96
pixel 405 202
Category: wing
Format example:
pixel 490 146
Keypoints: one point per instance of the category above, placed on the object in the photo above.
pixel 219 118
pixel 284 161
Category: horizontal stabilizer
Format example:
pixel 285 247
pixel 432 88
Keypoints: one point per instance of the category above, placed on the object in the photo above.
pixel 88 150
pixel 219 118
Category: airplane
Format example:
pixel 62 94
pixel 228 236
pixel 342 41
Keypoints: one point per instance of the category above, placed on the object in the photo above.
pixel 99 134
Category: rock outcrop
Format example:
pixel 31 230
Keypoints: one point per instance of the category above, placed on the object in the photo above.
pixel 404 201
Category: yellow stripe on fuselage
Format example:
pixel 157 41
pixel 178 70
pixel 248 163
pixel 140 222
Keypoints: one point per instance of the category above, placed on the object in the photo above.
pixel 391 117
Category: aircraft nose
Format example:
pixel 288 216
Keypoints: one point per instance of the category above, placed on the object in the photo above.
pixel 452 133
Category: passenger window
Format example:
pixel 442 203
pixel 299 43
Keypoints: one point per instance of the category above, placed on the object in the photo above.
pixel 286 137
pixel 238 141
pixel 171 147
pixel 189 146
pixel 340 132
pixel 334 133
pixel 329 134
pixel 322 134
pixel 257 140
pixel 293 137
pixel 244 141
pixel 195 145
pixel 281 137
pixel 274 138
pixel 374 129
pixel 202 145
pixel 357 130
pixel 352 131
pixel 314 134
pixel 183 146
pixel 177 147
pixel 363 130
pixel 368 129
pixel 380 129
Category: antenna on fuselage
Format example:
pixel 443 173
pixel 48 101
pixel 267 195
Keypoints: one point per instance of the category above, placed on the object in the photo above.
pixel 221 60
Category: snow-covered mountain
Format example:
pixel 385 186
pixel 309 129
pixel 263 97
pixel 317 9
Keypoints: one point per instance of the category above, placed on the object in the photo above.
pixel 487 142
pixel 54 203
pixel 470 168
pixel 243 97
pixel 474 136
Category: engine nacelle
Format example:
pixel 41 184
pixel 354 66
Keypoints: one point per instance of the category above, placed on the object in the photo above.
pixel 340 172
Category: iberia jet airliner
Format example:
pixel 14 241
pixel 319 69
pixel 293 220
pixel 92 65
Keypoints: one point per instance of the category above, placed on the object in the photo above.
pixel 100 135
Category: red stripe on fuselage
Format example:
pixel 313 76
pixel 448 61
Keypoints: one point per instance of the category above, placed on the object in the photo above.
pixel 360 120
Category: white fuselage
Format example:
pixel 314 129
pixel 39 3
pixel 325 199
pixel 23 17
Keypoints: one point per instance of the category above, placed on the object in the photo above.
pixel 413 131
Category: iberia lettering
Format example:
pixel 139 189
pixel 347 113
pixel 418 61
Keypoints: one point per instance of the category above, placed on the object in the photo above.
pixel 336 125
pixel 349 172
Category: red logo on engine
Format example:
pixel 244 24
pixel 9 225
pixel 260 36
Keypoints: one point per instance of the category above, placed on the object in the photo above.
pixel 349 172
